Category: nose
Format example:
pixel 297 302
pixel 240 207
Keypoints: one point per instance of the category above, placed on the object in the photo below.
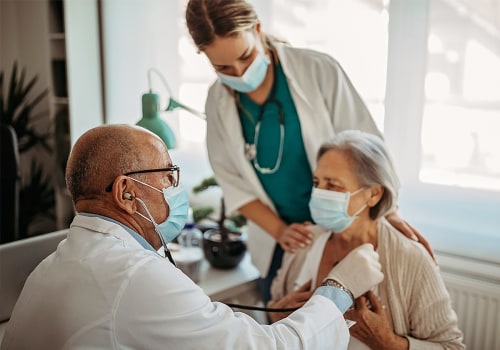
pixel 238 69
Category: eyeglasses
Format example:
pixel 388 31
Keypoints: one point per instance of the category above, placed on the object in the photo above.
pixel 173 175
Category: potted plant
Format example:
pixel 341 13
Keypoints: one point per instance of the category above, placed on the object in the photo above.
pixel 36 195
pixel 224 245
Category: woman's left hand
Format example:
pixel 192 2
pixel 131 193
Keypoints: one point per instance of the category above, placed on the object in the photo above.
pixel 409 231
pixel 372 325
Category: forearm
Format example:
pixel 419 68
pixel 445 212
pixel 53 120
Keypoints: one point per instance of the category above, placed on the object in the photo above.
pixel 264 217
pixel 394 343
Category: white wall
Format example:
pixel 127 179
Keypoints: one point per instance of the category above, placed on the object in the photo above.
pixel 83 66
pixel 137 35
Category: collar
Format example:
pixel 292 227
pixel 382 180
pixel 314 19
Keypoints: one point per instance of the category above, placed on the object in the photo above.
pixel 134 234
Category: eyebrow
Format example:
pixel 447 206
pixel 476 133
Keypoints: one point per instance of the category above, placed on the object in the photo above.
pixel 246 52
pixel 330 179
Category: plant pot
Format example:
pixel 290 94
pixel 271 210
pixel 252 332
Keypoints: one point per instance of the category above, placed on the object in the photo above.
pixel 223 254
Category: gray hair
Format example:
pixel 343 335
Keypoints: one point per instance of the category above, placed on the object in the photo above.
pixel 372 165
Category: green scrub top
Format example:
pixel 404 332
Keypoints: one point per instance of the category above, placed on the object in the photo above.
pixel 290 186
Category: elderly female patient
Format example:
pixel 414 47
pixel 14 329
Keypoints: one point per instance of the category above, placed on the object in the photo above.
pixel 355 185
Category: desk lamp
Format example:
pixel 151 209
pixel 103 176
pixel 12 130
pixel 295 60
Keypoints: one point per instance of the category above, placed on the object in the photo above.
pixel 151 112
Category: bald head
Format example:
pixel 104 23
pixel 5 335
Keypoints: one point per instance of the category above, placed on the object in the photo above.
pixel 105 152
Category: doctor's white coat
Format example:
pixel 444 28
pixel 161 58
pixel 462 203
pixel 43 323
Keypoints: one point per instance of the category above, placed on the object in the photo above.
pixel 102 290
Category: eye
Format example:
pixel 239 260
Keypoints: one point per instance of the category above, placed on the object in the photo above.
pixel 247 57
pixel 221 68
pixel 315 183
pixel 334 187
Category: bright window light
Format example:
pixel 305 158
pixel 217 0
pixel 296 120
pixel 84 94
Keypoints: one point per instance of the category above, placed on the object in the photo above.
pixel 481 72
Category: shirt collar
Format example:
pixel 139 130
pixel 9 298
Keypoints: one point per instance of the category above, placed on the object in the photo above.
pixel 134 234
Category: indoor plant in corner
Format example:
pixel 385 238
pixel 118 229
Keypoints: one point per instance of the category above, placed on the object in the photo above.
pixel 17 105
pixel 224 245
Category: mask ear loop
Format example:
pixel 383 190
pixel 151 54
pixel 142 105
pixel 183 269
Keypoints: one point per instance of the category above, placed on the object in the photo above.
pixel 165 248
pixel 363 207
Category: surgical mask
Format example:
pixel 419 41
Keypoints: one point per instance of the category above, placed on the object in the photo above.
pixel 178 202
pixel 251 79
pixel 329 209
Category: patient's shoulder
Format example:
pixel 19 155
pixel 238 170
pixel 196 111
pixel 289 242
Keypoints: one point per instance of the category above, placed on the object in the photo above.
pixel 400 248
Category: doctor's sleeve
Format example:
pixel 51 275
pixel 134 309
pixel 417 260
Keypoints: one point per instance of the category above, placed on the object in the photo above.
pixel 225 162
pixel 163 306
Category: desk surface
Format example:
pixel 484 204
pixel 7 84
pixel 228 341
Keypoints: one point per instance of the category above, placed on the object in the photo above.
pixel 221 285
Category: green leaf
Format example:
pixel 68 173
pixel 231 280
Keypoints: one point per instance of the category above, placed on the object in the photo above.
pixel 205 184
pixel 16 109
pixel 36 198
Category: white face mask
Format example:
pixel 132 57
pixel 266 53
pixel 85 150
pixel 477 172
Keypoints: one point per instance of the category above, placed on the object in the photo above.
pixel 251 79
pixel 329 209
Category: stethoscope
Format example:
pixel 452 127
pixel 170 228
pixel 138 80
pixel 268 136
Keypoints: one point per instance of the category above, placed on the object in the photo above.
pixel 251 148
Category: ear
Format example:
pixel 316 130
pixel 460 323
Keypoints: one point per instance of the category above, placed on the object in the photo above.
pixel 257 28
pixel 124 192
pixel 376 193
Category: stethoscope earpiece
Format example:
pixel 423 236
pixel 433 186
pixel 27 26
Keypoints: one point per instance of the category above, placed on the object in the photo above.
pixel 127 195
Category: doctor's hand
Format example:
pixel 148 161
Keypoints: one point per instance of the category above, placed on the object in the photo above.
pixel 359 271
pixel 372 325
pixel 295 236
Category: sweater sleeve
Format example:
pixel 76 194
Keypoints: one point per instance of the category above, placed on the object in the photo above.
pixel 433 322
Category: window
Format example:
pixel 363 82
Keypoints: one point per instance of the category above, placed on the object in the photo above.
pixel 442 113
pixel 462 89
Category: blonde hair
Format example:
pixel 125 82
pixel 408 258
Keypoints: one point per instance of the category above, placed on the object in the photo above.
pixel 209 19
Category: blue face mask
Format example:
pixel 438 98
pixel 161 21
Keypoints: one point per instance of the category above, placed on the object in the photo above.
pixel 178 203
pixel 329 209
pixel 251 79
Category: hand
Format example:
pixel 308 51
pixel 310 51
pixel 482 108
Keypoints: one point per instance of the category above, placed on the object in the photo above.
pixel 372 325
pixel 295 236
pixel 409 231
pixel 359 271
pixel 291 300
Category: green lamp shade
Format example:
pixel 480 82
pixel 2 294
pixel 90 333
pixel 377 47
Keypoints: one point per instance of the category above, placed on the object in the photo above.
pixel 151 119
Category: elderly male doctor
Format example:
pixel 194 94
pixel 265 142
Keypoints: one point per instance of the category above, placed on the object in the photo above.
pixel 106 287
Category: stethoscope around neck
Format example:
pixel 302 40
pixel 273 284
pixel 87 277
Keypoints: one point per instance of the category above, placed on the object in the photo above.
pixel 251 148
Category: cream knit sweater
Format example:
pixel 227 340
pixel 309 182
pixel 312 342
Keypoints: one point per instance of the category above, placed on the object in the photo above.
pixel 413 292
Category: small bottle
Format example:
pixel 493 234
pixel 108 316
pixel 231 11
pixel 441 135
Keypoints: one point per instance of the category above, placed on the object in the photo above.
pixel 190 236
pixel 189 257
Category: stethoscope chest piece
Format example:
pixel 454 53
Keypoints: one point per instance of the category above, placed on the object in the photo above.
pixel 250 151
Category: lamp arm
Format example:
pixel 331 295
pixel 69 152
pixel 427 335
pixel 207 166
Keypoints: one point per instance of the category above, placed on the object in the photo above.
pixel 173 103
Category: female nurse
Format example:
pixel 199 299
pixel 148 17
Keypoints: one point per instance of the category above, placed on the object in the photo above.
pixel 268 113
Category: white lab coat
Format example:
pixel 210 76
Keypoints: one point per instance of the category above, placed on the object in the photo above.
pixel 102 290
pixel 326 103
